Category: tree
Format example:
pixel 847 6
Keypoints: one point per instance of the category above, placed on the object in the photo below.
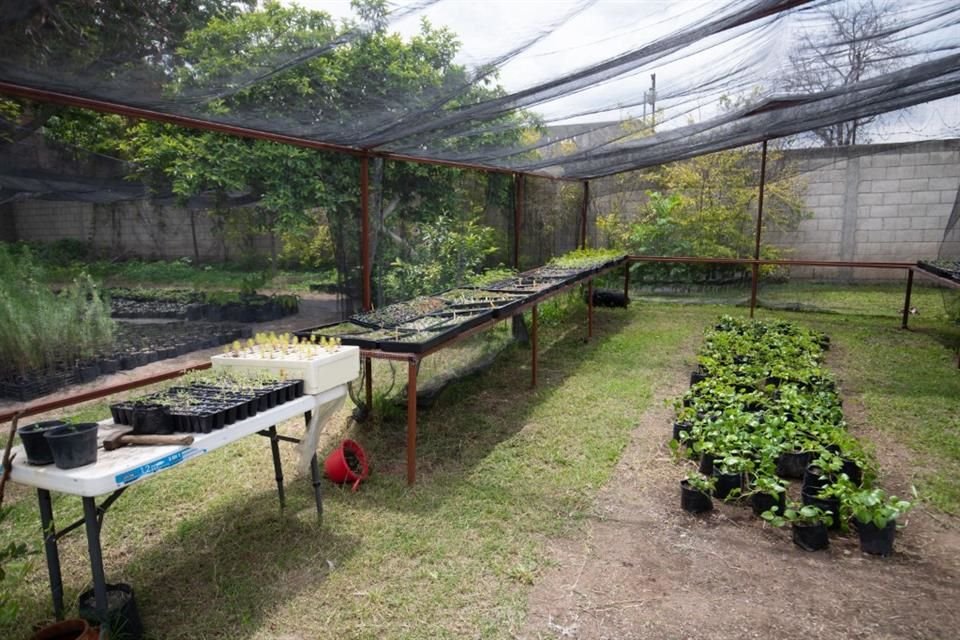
pixel 239 64
pixel 859 42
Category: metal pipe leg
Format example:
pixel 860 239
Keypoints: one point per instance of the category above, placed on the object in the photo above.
pixel 533 349
pixel 906 300
pixel 277 465
pixel 411 422
pixel 590 309
pixel 368 383
pixel 52 551
pixel 96 556
pixel 626 281
pixel 317 484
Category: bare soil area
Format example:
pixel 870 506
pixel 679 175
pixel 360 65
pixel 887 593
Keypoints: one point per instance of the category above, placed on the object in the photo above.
pixel 646 569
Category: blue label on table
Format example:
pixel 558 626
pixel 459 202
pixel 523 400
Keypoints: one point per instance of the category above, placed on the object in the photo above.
pixel 157 465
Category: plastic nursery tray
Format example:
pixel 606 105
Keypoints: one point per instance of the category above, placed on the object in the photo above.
pixel 499 303
pixel 532 288
pixel 398 312
pixel 413 342
pixel 940 271
pixel 348 333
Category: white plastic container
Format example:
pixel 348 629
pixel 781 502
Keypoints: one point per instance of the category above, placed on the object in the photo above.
pixel 319 373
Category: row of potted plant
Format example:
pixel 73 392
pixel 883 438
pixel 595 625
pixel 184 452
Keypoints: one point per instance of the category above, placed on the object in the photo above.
pixel 762 411
pixel 202 402
pixel 187 304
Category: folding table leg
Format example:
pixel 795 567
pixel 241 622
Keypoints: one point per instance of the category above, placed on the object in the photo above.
pixel 96 556
pixel 317 484
pixel 277 465
pixel 52 551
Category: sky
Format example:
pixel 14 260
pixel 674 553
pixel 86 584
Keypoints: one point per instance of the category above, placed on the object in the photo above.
pixel 553 37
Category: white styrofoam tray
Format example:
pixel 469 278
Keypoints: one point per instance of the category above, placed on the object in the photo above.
pixel 318 374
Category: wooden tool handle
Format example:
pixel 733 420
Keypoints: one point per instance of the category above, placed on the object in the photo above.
pixel 137 439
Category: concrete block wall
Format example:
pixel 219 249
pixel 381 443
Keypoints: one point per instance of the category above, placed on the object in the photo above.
pixel 886 203
pixel 130 229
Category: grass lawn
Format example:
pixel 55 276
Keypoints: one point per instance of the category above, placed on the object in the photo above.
pixel 502 469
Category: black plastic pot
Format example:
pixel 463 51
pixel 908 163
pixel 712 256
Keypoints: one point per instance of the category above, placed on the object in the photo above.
pixel 693 500
pixel 682 425
pixel 876 540
pixel 853 471
pixel 825 504
pixel 88 372
pixel 811 537
pixel 73 445
pixel 726 482
pixel 150 419
pixel 815 479
pixel 123 618
pixel 35 444
pixel 697 376
pixel 792 464
pixel 761 502
pixel 109 365
pixel 706 463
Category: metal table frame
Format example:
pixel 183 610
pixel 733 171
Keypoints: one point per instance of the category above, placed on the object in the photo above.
pixel 413 359
pixel 93 513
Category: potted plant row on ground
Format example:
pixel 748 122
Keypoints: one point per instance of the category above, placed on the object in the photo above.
pixel 762 413
pixel 200 305
pixel 202 402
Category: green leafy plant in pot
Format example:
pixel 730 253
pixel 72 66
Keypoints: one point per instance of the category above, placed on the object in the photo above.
pixel 809 524
pixel 875 518
pixel 695 492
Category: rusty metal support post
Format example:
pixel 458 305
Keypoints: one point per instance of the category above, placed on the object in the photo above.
pixel 365 232
pixel 368 382
pixel 590 309
pixel 756 250
pixel 412 366
pixel 517 216
pixel 533 347
pixel 626 280
pixel 906 300
pixel 583 214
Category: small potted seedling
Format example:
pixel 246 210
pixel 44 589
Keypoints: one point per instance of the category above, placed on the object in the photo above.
pixel 875 518
pixel 809 524
pixel 695 492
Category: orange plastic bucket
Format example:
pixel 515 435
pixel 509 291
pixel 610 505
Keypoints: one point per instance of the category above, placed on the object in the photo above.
pixel 347 463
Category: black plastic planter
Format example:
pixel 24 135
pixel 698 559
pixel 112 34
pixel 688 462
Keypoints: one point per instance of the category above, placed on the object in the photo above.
pixel 811 537
pixel 853 471
pixel 876 540
pixel 706 464
pixel 35 444
pixel 683 425
pixel 792 464
pixel 815 479
pixel 73 445
pixel 150 419
pixel 123 618
pixel 693 500
pixel 726 483
pixel 761 502
pixel 824 504
pixel 697 376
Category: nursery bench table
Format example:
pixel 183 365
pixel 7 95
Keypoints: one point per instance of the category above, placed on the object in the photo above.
pixel 116 470
pixel 413 358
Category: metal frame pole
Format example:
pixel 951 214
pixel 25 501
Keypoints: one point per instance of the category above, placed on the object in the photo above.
pixel 365 232
pixel 96 557
pixel 626 280
pixel 756 250
pixel 52 551
pixel 590 308
pixel 277 466
pixel 412 367
pixel 906 300
pixel 583 214
pixel 533 346
pixel 518 187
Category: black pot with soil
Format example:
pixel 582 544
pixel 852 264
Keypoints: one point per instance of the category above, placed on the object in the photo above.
pixel 876 540
pixel 815 479
pixel 761 502
pixel 831 505
pixel 726 483
pixel 150 419
pixel 122 620
pixel 35 444
pixel 792 464
pixel 811 536
pixel 692 500
pixel 73 445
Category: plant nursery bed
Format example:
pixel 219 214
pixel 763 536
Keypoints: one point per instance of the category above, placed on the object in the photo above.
pixel 497 302
pixel 198 305
pixel 949 269
pixel 399 312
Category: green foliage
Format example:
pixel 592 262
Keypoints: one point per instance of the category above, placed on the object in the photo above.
pixel 797 514
pixel 874 506
pixel 446 254
pixel 39 328
pixel 703 484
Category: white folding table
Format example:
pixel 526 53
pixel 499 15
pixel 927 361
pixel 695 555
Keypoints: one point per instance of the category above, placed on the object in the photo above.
pixel 116 470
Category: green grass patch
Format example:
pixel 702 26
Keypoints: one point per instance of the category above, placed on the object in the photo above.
pixel 502 468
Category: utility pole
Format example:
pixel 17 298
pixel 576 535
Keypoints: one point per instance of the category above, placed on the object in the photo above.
pixel 650 97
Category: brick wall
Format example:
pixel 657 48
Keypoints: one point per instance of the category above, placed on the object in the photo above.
pixel 885 203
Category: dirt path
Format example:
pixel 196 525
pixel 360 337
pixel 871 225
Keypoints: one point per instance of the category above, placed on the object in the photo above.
pixel 646 569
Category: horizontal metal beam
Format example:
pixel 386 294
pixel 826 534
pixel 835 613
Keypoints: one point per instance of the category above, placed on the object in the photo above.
pixel 96 394
pixel 785 263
